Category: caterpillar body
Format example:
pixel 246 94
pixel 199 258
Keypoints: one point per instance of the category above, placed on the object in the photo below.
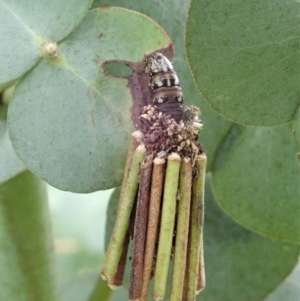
pixel 166 93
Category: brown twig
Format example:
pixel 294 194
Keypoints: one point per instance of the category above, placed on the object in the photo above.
pixel 140 228
pixel 158 176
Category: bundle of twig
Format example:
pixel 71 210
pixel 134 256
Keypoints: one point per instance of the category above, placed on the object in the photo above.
pixel 164 181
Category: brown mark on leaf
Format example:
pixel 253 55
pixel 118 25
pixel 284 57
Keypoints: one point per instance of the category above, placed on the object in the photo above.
pixel 138 81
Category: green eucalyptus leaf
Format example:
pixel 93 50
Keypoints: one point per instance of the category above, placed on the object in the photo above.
pixel 69 122
pixel 10 164
pixel 241 265
pixel 236 260
pixel 245 58
pixel 256 180
pixel 215 127
pixel 26 25
pixel 25 241
pixel 296 127
pixel 19 49
pixel 52 20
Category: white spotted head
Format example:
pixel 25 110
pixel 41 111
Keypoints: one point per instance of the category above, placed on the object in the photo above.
pixel 157 63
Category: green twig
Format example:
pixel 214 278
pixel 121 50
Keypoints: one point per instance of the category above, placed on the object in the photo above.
pixel 195 246
pixel 126 203
pixel 167 226
pixel 182 230
pixel 135 141
pixel 117 280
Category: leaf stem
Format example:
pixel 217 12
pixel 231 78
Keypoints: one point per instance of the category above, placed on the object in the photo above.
pixel 167 225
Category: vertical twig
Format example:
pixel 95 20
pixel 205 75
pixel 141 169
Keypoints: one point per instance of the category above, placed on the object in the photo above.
pixel 201 269
pixel 135 141
pixel 182 230
pixel 140 228
pixel 167 225
pixel 158 176
pixel 195 246
pixel 126 203
pixel 117 279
